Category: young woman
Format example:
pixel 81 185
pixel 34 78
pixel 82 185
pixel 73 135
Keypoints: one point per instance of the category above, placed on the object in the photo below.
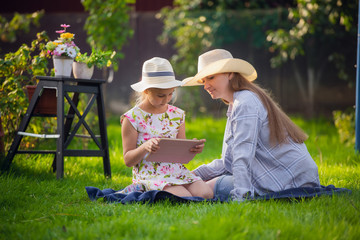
pixel 263 150
pixel 153 118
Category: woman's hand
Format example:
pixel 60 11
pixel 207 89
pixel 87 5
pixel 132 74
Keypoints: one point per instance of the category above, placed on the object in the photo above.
pixel 152 145
pixel 198 148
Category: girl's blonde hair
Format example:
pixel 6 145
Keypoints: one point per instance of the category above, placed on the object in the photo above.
pixel 141 96
pixel 280 124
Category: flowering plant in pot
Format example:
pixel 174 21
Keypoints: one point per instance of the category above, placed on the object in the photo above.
pixel 63 50
pixel 64 45
pixel 83 67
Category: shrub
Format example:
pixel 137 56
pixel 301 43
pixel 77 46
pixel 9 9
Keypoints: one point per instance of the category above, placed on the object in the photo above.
pixel 345 125
pixel 18 69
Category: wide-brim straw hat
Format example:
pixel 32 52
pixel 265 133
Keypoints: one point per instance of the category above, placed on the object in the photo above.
pixel 220 61
pixel 156 73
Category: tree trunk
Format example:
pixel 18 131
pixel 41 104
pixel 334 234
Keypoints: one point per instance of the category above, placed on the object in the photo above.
pixel 310 106
pixel 307 88
pixel 304 95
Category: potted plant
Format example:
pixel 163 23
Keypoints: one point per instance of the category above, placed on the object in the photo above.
pixel 63 50
pixel 83 67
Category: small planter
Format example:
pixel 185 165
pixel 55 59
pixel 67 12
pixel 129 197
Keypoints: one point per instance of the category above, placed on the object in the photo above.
pixel 62 66
pixel 81 70
pixel 47 103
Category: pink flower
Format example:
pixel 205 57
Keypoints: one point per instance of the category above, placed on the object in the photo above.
pixel 164 169
pixel 60 31
pixel 56 53
pixel 142 124
pixel 172 108
pixel 146 136
pixel 130 118
pixel 64 25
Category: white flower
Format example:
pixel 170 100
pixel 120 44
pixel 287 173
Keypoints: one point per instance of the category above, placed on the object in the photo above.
pixel 60 48
pixel 71 52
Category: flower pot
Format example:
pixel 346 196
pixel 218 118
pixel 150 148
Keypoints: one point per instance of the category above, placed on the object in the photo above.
pixel 81 70
pixel 62 66
pixel 47 103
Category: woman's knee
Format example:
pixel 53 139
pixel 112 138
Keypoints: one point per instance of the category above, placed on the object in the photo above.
pixel 223 186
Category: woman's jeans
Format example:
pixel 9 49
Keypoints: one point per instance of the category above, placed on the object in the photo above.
pixel 223 186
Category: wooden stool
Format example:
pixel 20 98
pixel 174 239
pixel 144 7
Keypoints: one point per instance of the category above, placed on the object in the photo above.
pixel 63 86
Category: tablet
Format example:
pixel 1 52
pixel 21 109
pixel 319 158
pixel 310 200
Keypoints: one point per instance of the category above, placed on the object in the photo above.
pixel 174 150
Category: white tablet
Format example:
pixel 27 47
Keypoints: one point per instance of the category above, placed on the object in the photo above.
pixel 174 150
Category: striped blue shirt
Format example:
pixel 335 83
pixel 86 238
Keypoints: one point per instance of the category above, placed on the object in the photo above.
pixel 257 166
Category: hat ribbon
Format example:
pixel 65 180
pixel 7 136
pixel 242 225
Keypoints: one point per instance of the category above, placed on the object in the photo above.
pixel 157 74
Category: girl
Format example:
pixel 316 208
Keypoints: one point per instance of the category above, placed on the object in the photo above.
pixel 153 118
pixel 263 150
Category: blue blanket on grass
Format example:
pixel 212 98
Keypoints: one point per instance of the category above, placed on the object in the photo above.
pixel 111 196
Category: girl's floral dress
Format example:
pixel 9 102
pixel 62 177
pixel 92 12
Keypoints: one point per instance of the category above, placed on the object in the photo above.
pixel 152 175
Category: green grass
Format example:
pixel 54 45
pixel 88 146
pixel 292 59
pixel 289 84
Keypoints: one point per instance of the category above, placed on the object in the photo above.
pixel 34 205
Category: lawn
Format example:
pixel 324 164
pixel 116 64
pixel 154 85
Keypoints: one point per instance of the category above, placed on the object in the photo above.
pixel 34 205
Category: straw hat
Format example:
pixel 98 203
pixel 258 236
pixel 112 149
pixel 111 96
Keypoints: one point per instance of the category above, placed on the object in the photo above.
pixel 156 73
pixel 220 61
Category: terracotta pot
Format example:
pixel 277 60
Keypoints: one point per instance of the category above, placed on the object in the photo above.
pixel 81 70
pixel 47 103
pixel 62 66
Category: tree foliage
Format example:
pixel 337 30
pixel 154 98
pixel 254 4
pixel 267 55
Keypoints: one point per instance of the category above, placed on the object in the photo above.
pixel 20 22
pixel 199 25
pixel 320 30
pixel 108 25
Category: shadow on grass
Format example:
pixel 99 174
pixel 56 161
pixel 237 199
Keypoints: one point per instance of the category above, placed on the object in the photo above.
pixel 84 170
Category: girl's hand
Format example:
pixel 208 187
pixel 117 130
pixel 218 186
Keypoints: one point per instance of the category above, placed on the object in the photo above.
pixel 152 145
pixel 198 148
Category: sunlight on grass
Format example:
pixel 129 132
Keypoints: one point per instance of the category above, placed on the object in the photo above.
pixel 34 205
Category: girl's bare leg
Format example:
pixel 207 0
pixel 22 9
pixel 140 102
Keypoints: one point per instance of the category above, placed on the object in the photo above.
pixel 180 191
pixel 200 189
pixel 211 183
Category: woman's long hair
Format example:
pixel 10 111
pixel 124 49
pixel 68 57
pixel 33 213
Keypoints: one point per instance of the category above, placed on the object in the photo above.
pixel 280 124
